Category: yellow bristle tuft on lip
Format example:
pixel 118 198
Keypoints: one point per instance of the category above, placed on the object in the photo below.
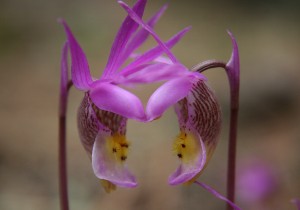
pixel 186 147
pixel 117 145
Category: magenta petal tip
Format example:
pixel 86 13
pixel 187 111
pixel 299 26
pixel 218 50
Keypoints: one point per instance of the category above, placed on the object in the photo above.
pixel 80 71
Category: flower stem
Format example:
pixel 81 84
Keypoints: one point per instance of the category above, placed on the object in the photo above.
pixel 205 65
pixel 62 147
pixel 234 105
pixel 63 185
pixel 65 86
pixel 232 156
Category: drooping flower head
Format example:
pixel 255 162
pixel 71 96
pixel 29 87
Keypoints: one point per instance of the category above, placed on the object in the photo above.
pixel 105 108
pixel 197 109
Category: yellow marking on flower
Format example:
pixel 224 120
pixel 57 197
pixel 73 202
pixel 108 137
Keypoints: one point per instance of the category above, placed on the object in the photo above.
pixel 108 186
pixel 117 145
pixel 186 147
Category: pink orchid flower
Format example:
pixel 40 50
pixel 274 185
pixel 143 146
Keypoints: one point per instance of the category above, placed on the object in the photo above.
pixel 197 109
pixel 106 106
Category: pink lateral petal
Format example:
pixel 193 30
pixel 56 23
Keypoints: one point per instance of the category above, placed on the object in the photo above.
pixel 112 98
pixel 217 194
pixel 167 95
pixel 127 28
pixel 142 35
pixel 157 72
pixel 80 71
pixel 186 172
pixel 106 167
pixel 138 20
pixel 163 59
pixel 153 53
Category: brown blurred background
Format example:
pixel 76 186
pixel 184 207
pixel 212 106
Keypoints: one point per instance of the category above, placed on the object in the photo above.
pixel 30 42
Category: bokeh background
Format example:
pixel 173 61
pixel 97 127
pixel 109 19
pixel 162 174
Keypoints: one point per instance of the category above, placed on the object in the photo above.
pixel 30 46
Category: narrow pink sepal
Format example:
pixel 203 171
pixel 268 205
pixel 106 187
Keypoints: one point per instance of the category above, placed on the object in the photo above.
pixel 115 99
pixel 217 194
pixel 167 95
pixel 106 166
pixel 157 72
pixel 142 34
pixel 233 70
pixel 127 28
pixel 186 172
pixel 163 59
pixel 138 20
pixel 64 79
pixel 80 71
pixel 153 53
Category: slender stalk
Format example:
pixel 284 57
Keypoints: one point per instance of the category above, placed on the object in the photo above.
pixel 201 67
pixel 62 158
pixel 234 104
pixel 65 86
pixel 232 156
pixel 233 74
pixel 62 147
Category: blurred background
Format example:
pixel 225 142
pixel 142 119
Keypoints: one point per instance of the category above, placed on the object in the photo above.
pixel 268 138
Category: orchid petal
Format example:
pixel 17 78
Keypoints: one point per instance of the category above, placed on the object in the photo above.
pixel 163 59
pixel 142 35
pixel 157 72
pixel 167 95
pixel 187 171
pixel 112 98
pixel 106 167
pixel 127 28
pixel 138 20
pixel 199 119
pixel 81 76
pixel 217 194
pixel 233 71
pixel 153 53
pixel 64 79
